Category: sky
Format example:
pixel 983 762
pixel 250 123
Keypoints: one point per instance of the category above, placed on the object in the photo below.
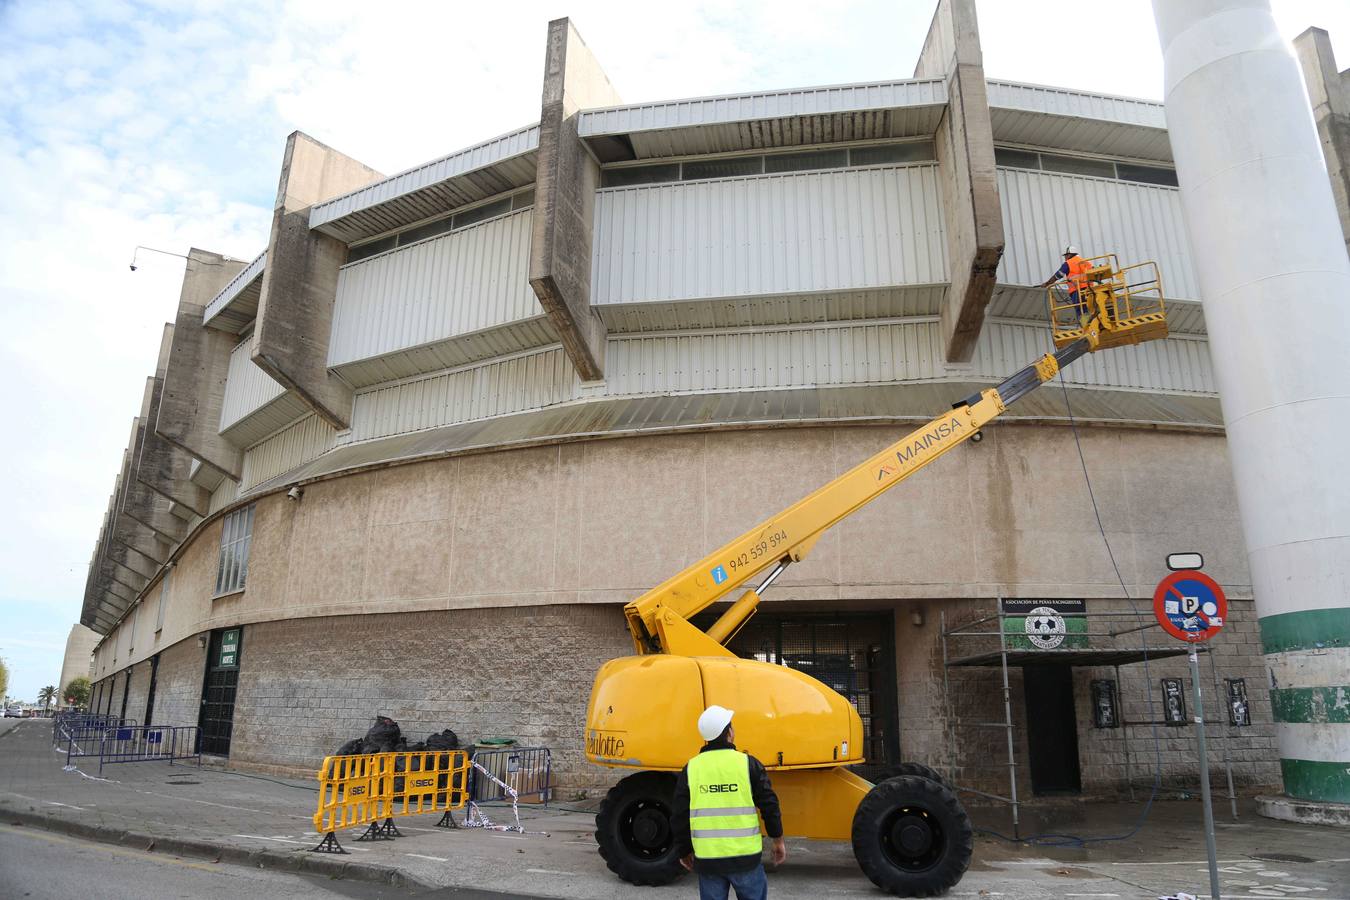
pixel 162 123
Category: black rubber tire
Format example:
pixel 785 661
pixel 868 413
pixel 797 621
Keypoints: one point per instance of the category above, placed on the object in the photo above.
pixel 916 769
pixel 633 829
pixel 912 837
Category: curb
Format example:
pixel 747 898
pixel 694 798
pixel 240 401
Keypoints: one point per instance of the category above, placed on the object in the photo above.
pixel 283 861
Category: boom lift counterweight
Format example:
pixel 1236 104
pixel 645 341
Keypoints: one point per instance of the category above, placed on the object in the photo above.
pixel 909 833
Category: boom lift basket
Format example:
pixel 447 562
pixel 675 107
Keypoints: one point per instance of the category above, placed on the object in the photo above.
pixel 1128 303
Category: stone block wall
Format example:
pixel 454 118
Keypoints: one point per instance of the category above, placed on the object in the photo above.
pixel 138 689
pixel 308 685
pixel 178 687
pixel 1110 760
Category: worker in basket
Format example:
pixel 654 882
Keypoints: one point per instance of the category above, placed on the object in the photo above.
pixel 1073 272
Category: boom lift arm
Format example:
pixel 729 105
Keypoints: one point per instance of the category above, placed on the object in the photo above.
pixel 659 619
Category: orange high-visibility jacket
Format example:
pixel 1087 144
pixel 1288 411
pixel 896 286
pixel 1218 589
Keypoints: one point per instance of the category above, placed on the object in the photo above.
pixel 1077 277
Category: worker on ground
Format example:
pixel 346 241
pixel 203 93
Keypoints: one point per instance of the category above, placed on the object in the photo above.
pixel 719 796
pixel 1073 272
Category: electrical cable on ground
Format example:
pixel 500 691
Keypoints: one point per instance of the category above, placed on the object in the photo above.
pixel 1073 840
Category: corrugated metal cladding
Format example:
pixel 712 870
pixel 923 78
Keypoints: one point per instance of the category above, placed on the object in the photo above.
pixel 869 354
pixel 464 176
pixel 770 309
pixel 816 231
pixel 531 381
pixel 1021 302
pixel 690 364
pixel 455 284
pixel 1172 365
pixel 237 304
pixel 247 387
pixel 763 105
pixel 639 415
pixel 295 445
pixel 1042 211
pixel 503 340
pixel 224 494
pixel 1079 104
pixel 787 131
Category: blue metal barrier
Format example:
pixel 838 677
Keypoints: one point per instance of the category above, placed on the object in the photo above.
pixel 528 771
pixel 64 724
pixel 82 738
pixel 148 743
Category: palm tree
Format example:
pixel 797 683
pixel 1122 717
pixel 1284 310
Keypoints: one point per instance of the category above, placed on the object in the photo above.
pixel 47 695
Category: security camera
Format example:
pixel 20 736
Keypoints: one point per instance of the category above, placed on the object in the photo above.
pixel 295 493
pixel 133 267
pixel 977 437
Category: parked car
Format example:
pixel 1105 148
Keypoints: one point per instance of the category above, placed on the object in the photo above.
pixel 13 712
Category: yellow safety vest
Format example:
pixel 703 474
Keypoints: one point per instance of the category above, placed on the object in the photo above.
pixel 723 820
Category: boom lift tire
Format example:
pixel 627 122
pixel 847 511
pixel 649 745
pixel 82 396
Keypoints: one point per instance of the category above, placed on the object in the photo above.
pixel 633 829
pixel 912 837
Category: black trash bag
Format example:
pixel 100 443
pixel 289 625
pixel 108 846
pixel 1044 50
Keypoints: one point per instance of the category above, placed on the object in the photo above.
pixel 445 740
pixel 350 748
pixel 416 746
pixel 382 737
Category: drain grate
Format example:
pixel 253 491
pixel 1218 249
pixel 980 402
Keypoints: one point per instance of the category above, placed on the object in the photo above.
pixel 1282 857
pixel 176 783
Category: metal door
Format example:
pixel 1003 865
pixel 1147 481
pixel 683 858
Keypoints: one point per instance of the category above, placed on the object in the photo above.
pixel 150 695
pixel 853 653
pixel 222 681
pixel 126 692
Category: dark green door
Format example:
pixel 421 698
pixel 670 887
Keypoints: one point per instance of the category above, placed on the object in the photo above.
pixel 218 692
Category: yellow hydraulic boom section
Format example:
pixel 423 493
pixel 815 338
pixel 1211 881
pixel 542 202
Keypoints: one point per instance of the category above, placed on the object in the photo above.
pixel 1114 307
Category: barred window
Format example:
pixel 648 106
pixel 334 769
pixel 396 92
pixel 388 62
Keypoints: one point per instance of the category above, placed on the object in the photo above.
pixel 163 601
pixel 235 534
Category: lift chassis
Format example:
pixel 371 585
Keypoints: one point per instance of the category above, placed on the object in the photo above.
pixel 909 832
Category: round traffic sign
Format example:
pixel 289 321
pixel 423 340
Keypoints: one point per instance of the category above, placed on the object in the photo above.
pixel 1190 606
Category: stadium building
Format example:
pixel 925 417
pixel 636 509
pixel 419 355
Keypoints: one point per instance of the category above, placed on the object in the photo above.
pixel 415 456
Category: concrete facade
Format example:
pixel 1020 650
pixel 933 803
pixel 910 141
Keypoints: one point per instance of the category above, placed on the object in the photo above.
pixel 1329 92
pixel 466 500
pixel 564 200
pixel 199 359
pixel 299 285
pixel 965 146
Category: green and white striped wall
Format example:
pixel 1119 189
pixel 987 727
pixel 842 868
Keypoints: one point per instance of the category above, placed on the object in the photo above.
pixel 1308 658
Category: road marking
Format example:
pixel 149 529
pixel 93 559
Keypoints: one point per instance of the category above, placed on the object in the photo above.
pixel 1181 862
pixel 65 805
pixel 432 858
pixel 1091 895
pixel 550 872
pixel 202 802
pixel 103 848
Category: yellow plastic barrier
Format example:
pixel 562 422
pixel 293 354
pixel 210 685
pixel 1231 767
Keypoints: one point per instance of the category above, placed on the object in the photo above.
pixel 370 789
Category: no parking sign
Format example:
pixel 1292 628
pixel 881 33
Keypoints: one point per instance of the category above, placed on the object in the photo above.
pixel 1190 606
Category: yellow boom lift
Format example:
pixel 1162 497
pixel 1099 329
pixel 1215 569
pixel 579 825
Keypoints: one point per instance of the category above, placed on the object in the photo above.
pixel 909 832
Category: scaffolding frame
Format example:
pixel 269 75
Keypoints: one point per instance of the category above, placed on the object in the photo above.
pixel 1074 657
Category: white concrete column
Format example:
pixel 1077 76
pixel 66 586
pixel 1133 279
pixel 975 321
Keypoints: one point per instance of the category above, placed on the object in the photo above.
pixel 1275 282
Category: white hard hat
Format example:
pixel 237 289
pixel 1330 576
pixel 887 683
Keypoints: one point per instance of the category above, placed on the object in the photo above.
pixel 714 721
pixel 1071 249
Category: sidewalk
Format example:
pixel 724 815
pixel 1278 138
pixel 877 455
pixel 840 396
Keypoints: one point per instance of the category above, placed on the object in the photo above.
pixel 217 814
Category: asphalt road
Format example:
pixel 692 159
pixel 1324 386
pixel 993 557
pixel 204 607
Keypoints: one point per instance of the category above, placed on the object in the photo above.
pixel 41 865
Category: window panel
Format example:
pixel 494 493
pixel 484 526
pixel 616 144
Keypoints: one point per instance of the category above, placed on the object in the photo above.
pixel 723 168
pixel 640 175
pixel 798 162
pixel 482 213
pixel 1074 165
pixel 236 534
pixel 422 232
pixel 1146 174
pixel 914 151
pixel 366 250
pixel 1016 159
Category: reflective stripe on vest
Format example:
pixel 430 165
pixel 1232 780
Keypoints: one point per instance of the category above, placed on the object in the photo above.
pixel 722 816
pixel 1077 277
